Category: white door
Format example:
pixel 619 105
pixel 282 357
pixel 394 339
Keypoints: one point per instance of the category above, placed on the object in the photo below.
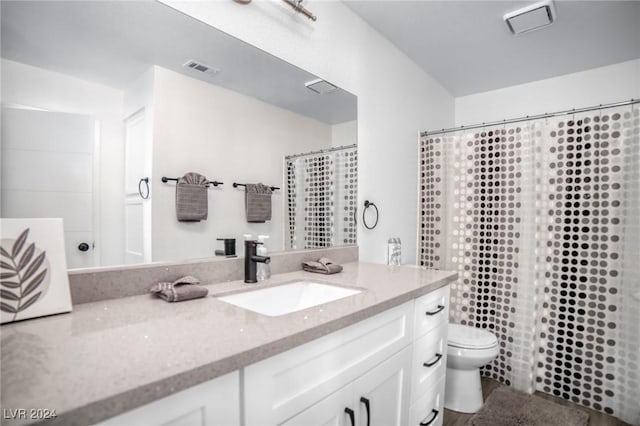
pixel 382 394
pixel 137 207
pixel 47 171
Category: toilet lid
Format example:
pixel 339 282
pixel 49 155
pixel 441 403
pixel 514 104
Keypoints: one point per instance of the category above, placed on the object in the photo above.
pixel 463 336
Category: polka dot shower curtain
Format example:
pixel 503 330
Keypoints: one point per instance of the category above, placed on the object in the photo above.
pixel 321 198
pixel 541 219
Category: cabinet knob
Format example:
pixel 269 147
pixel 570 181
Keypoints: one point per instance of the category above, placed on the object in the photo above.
pixel 83 247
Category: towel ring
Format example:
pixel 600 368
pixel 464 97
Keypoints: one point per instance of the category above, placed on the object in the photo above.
pixel 368 204
pixel 146 182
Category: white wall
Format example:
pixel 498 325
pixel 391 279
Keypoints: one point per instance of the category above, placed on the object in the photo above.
pixel 396 99
pixel 226 136
pixel 613 83
pixel 38 88
pixel 344 134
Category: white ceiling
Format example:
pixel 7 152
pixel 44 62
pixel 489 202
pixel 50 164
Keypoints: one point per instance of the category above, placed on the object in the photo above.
pixel 114 42
pixel 466 46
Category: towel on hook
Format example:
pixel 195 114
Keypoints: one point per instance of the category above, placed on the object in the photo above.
pixel 192 202
pixel 257 202
pixel 185 288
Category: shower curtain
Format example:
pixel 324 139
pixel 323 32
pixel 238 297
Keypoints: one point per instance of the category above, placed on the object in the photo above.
pixel 541 220
pixel 321 198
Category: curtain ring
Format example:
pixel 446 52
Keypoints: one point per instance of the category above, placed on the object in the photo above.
pixel 146 182
pixel 368 204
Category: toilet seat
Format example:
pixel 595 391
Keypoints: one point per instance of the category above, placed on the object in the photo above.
pixel 466 337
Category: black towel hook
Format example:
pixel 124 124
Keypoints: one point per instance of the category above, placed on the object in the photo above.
pixel 368 204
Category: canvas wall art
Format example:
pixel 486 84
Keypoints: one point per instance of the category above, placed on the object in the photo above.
pixel 33 269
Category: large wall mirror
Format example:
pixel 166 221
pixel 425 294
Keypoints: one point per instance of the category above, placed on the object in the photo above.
pixel 99 96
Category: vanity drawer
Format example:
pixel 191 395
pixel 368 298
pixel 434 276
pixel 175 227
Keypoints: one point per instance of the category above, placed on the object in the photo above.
pixel 428 410
pixel 429 360
pixel 284 385
pixel 431 310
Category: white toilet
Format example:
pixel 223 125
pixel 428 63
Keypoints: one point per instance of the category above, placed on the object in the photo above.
pixel 468 349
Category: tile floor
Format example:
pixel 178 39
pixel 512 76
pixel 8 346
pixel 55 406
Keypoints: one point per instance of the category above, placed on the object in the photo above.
pixel 596 418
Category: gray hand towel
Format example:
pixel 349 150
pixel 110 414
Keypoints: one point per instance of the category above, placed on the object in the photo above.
pixel 322 266
pixel 185 288
pixel 257 202
pixel 192 203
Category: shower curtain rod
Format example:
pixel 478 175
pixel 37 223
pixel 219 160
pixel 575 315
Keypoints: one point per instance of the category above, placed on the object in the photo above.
pixel 297 6
pixel 322 151
pixel 530 117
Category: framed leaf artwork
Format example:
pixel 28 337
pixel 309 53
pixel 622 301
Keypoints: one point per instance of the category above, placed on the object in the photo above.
pixel 33 269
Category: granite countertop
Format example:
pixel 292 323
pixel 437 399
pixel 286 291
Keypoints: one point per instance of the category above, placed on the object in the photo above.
pixel 109 357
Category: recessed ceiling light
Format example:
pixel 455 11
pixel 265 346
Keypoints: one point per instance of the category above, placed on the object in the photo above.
pixel 532 17
pixel 320 86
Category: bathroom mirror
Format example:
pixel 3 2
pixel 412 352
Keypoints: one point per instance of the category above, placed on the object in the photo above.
pixel 101 100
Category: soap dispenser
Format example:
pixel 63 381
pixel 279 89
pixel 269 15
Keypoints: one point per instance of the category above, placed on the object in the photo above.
pixel 264 269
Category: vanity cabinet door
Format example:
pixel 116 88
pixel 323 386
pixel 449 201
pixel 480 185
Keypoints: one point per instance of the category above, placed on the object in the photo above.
pixel 216 402
pixel 278 388
pixel 382 394
pixel 378 398
pixel 330 411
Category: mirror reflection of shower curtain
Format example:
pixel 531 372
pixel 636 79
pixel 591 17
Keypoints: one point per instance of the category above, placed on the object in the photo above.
pixel 321 198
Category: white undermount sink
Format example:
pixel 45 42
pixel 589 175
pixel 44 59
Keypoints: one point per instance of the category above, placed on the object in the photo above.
pixel 287 298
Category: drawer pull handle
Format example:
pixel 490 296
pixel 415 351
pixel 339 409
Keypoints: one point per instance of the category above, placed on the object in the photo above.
pixel 434 362
pixel 365 401
pixel 352 416
pixel 440 308
pixel 435 416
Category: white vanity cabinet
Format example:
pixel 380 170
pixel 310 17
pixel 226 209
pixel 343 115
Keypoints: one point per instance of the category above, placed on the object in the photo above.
pixel 216 402
pixel 283 386
pixel 393 364
pixel 385 370
pixel 429 358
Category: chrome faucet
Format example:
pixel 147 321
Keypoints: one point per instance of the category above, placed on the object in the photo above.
pixel 251 260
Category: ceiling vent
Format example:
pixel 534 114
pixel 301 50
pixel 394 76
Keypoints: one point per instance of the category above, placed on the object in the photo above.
pixel 200 67
pixel 530 18
pixel 320 86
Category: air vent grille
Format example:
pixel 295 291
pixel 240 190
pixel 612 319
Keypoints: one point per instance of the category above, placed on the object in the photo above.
pixel 320 86
pixel 200 67
pixel 530 18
